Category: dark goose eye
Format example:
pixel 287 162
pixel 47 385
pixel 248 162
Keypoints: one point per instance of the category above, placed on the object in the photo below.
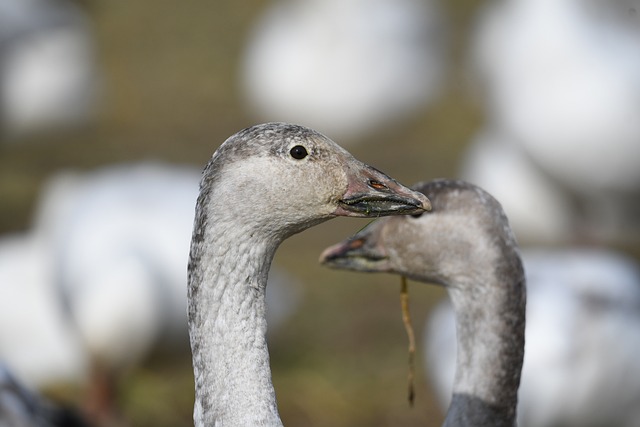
pixel 298 152
pixel 417 215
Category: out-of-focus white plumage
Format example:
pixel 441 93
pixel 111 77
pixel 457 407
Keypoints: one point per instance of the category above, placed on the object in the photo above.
pixel 37 341
pixel 562 81
pixel 346 67
pixel 538 210
pixel 102 275
pixel 49 77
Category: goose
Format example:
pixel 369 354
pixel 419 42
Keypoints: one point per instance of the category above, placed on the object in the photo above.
pixel 37 343
pixel 466 245
pixel 98 279
pixel 562 81
pixel 262 185
pixel 349 67
pixel 49 78
pixel 21 407
pixel 117 239
pixel 582 340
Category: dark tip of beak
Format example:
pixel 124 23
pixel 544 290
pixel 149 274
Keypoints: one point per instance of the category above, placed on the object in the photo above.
pixel 385 204
pixel 371 193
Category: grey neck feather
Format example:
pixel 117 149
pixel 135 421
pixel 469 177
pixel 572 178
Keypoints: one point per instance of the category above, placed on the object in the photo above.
pixel 228 271
pixel 490 346
pixel 470 411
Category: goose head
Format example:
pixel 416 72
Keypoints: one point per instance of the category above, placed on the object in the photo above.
pixel 452 245
pixel 281 179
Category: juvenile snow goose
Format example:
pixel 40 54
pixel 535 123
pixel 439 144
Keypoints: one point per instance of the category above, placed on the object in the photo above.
pixel 263 184
pixel 466 245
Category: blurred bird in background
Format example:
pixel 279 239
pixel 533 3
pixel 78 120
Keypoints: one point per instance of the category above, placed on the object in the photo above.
pixel 560 149
pixel 49 76
pixel 346 67
pixel 101 279
pixel 561 86
pixel 21 407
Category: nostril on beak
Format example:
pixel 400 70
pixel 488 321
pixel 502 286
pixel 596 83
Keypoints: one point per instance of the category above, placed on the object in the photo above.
pixel 377 185
pixel 356 244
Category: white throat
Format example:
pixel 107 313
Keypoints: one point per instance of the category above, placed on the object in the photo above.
pixel 227 327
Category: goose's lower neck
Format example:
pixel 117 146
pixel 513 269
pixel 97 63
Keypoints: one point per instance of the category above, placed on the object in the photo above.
pixel 490 337
pixel 227 328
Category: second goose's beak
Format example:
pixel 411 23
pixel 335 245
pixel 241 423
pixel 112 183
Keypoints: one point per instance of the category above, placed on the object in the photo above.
pixel 360 252
pixel 371 193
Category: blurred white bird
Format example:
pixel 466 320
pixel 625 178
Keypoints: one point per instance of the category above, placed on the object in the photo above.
pixel 37 341
pixel 345 67
pixel 99 283
pixel 581 365
pixel 539 211
pixel 562 80
pixel 120 239
pixel 48 72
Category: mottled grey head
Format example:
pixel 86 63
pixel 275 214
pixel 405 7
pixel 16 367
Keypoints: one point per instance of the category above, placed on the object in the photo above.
pixel 466 244
pixel 283 178
pixel 262 185
pixel 466 231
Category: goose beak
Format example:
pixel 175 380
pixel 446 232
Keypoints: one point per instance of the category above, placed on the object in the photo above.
pixel 358 253
pixel 371 193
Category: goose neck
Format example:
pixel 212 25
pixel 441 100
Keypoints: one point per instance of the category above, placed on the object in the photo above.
pixel 490 334
pixel 227 328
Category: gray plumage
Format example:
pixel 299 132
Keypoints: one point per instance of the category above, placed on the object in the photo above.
pixel 21 407
pixel 581 366
pixel 466 245
pixel 254 194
